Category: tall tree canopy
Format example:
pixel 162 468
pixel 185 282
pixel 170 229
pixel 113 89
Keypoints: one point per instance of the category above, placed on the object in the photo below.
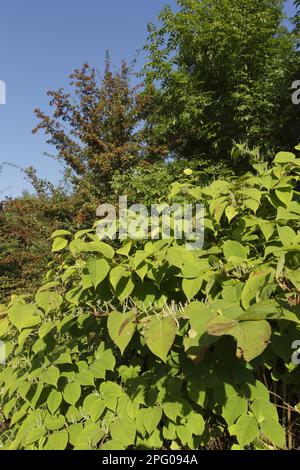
pixel 222 72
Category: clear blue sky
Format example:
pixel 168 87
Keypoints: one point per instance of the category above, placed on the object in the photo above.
pixel 41 42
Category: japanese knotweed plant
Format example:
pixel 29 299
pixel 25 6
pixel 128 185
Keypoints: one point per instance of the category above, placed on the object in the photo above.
pixel 149 345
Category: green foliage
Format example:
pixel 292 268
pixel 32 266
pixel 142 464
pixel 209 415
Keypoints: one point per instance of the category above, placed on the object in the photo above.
pixel 296 18
pixel 152 182
pixel 105 358
pixel 221 72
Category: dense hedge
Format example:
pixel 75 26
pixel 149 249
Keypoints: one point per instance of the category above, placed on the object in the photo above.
pixel 150 345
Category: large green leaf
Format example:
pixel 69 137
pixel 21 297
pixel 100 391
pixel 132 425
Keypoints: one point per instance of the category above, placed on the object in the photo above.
pixel 50 376
pixel 124 431
pixel 98 269
pixel 199 315
pixel 252 338
pixel 160 335
pixel 179 407
pixel 59 244
pixel 231 212
pixel 254 285
pixel 121 328
pixel 246 429
pixel 35 435
pixel 151 418
pixel 287 235
pixel 284 157
pixel 23 316
pixel 233 248
pixel 53 401
pixel 184 433
pixel 85 377
pixel 264 409
pixel 195 423
pixel 274 432
pixel 116 275
pixel 94 406
pixel 285 195
pixel 110 392
pixel 57 441
pixel 100 247
pixel 72 393
pixel 54 423
pixel 233 409
pixel 191 287
pixel 48 301
pixel 89 437
pixel 265 309
pixel 97 410
pixel 125 287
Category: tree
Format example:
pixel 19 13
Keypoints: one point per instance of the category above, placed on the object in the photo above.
pixel 296 19
pixel 222 73
pixel 96 128
pixel 297 5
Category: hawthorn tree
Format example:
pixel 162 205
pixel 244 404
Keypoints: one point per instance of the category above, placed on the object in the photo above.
pixel 96 128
